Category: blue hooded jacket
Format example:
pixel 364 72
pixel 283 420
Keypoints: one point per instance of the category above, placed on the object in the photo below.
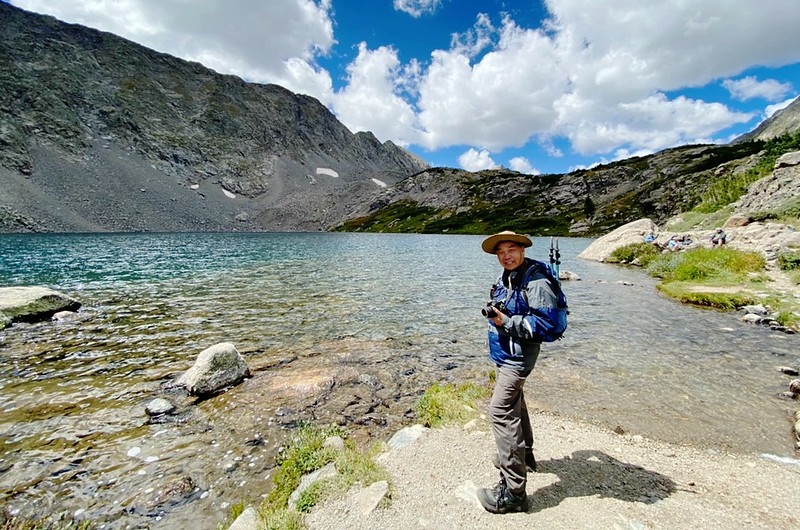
pixel 533 312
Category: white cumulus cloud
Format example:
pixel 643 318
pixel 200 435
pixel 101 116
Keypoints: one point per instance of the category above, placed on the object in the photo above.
pixel 602 75
pixel 749 88
pixel 523 165
pixel 473 160
pixel 417 8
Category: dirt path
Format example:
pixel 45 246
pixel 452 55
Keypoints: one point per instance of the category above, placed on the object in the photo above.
pixel 588 478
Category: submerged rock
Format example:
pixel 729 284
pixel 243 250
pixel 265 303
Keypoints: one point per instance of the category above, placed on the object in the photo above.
pixel 159 407
pixel 32 304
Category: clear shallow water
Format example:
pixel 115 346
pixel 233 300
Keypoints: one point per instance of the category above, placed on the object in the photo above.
pixel 74 436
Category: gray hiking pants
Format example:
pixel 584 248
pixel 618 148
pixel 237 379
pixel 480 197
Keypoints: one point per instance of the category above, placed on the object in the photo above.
pixel 511 426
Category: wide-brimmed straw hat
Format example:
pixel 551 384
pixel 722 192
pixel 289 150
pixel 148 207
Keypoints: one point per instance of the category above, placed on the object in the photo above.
pixel 489 244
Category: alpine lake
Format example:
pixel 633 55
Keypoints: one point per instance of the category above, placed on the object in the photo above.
pixel 343 328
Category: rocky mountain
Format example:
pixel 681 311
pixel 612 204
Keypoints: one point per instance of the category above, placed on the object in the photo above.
pixel 100 134
pixel 784 121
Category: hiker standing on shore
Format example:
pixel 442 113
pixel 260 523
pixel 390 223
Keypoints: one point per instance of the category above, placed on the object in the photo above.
pixel 515 336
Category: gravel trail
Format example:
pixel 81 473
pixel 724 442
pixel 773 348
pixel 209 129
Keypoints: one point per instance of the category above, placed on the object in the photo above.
pixel 589 477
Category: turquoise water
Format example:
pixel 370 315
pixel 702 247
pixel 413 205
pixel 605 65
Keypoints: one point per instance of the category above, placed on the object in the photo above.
pixel 397 311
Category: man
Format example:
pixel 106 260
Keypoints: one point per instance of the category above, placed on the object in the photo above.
pixel 514 341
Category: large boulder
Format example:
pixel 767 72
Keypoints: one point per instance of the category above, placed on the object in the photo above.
pixel 216 368
pixel 632 232
pixel 32 304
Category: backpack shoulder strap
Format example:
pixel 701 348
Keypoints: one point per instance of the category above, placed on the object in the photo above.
pixel 547 271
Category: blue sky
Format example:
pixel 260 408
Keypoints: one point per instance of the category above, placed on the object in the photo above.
pixel 537 86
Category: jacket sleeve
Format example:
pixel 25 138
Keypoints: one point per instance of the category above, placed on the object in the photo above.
pixel 543 304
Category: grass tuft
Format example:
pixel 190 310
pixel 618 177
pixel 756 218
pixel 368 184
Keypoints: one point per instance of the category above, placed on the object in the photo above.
pixel 443 404
pixel 22 523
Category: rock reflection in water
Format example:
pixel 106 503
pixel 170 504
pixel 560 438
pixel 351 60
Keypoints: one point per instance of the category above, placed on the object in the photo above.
pixel 336 328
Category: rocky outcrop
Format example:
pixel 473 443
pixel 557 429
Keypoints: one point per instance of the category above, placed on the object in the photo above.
pixel 768 239
pixel 633 232
pixel 774 192
pixel 216 368
pixel 32 304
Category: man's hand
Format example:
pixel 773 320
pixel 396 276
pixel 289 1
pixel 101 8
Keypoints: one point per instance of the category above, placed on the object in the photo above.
pixel 498 318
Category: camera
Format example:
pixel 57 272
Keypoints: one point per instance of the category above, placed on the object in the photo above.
pixel 492 308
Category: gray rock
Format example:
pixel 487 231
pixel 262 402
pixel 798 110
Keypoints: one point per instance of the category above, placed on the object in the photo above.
pixel 334 442
pixel 568 276
pixel 752 318
pixel 158 407
pixel 755 310
pixel 216 367
pixel 367 500
pixel 247 520
pixel 788 160
pixel 64 315
pixel 406 436
pixel 329 471
pixel 33 304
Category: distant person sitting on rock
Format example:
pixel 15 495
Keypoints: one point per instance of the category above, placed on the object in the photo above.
pixel 718 238
pixel 652 239
pixel 674 244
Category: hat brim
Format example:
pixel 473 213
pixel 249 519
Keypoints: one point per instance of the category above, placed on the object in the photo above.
pixel 489 244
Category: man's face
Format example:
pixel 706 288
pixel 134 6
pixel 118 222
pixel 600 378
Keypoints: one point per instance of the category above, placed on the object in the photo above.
pixel 510 255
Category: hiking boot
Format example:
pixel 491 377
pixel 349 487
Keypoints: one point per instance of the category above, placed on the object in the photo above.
pixel 530 461
pixel 499 500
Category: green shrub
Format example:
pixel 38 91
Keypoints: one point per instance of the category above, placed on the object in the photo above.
pixel 282 519
pixel 636 253
pixel 787 212
pixel 303 454
pixel 693 220
pixel 788 319
pixel 663 265
pixel 352 467
pixel 789 261
pixel 719 265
